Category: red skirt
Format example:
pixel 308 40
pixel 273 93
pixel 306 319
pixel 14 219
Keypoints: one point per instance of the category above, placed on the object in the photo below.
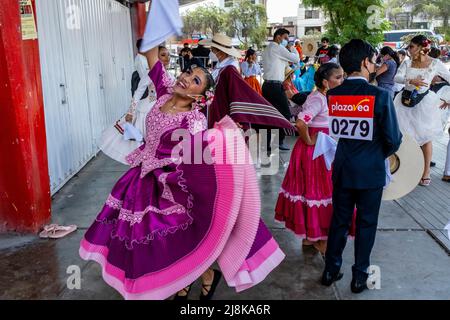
pixel 254 83
pixel 305 200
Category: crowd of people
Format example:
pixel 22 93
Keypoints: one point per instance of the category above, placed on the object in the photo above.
pixel 166 222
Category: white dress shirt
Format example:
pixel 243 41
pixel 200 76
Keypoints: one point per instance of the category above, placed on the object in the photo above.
pixel 230 61
pixel 141 65
pixel 275 59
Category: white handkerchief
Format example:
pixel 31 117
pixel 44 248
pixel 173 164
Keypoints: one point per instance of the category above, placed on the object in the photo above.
pixel 326 146
pixel 163 21
pixel 389 177
pixel 132 133
pixel 447 227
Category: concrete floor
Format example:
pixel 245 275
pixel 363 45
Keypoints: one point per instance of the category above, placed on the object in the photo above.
pixel 413 265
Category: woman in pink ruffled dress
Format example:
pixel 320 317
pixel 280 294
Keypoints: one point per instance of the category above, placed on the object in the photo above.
pixel 305 199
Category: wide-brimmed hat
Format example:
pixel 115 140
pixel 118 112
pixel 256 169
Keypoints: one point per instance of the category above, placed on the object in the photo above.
pixel 288 71
pixel 223 43
pixel 406 167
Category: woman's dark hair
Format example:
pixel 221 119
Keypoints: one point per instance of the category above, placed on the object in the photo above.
pixel 435 53
pixel 249 53
pixel 333 52
pixel 324 73
pixel 390 52
pixel 162 48
pixel 353 53
pixel 422 41
pixel 280 32
pixel 419 40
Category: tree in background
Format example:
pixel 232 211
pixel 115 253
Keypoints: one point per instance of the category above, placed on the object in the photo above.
pixel 248 22
pixel 431 9
pixel 245 20
pixel 206 20
pixel 348 19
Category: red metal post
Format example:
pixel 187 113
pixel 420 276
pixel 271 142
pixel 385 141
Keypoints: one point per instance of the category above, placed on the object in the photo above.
pixel 24 182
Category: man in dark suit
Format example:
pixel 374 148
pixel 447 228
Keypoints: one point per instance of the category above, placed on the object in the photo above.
pixel 363 118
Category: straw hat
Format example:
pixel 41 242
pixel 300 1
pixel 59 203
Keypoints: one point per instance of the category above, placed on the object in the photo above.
pixel 406 167
pixel 288 71
pixel 223 43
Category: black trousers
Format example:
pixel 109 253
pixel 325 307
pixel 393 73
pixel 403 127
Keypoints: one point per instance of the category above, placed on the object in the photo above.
pixel 367 202
pixel 274 93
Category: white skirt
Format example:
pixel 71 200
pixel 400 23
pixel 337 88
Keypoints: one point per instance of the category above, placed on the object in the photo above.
pixel 423 122
pixel 112 142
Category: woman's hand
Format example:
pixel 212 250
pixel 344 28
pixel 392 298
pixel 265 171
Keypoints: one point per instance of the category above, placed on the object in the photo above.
pixel 444 104
pixel 418 82
pixel 129 118
pixel 313 139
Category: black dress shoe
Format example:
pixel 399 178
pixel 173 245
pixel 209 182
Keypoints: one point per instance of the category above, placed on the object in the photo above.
pixel 358 286
pixel 328 278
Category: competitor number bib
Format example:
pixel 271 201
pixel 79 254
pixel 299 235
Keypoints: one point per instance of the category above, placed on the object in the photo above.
pixel 351 117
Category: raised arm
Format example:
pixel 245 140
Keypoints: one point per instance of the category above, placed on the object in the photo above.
pixel 152 57
pixel 285 54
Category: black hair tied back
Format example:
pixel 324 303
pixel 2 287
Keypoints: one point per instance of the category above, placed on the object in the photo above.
pixel 324 73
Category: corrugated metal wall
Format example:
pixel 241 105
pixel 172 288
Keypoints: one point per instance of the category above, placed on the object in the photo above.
pixel 86 54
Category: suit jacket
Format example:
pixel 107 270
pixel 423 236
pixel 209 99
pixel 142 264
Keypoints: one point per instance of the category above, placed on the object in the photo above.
pixel 360 164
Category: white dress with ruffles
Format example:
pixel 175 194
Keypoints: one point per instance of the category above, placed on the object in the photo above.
pixel 423 122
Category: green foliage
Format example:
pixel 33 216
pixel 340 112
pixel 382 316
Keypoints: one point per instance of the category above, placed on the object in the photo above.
pixel 431 9
pixel 349 19
pixel 245 20
pixel 248 22
pixel 206 20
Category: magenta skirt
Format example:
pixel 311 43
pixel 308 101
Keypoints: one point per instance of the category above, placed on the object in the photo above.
pixel 305 200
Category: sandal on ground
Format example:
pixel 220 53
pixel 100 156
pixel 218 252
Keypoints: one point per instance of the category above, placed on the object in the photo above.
pixel 212 287
pixel 55 231
pixel 446 178
pixel 179 297
pixel 425 182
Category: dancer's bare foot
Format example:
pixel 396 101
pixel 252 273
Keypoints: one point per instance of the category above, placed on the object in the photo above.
pixel 306 242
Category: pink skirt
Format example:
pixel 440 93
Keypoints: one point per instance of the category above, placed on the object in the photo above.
pixel 305 200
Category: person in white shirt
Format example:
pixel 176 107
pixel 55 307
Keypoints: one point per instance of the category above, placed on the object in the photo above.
pixel 275 59
pixel 223 52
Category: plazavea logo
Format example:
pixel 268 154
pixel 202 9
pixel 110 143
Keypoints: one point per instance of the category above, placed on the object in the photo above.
pixel 351 106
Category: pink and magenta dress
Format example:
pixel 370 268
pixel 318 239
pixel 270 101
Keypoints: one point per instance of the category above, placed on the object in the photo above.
pixel 305 200
pixel 167 221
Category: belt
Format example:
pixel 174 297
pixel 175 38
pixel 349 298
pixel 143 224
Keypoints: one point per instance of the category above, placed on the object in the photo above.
pixel 273 81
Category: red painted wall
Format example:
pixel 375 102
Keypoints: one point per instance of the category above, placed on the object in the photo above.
pixel 24 182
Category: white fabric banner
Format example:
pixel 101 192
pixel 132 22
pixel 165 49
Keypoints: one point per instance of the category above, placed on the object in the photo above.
pixel 163 21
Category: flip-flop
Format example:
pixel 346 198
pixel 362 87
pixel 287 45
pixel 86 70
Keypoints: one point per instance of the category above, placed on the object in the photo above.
pixel 55 231
pixel 425 182
pixel 47 229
